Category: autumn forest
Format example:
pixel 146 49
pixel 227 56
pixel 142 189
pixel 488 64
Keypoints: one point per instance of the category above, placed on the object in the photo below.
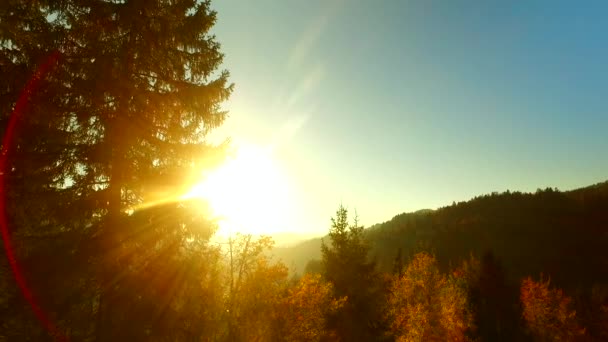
pixel 107 114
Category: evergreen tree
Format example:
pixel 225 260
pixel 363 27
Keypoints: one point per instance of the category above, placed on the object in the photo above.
pixel 313 266
pixel 346 265
pixel 116 124
pixel 398 263
pixel 493 301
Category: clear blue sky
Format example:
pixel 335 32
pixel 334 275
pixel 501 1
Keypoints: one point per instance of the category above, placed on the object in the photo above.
pixel 393 106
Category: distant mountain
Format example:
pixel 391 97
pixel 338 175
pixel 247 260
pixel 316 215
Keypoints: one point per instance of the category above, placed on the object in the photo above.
pixel 297 256
pixel 285 240
pixel 561 234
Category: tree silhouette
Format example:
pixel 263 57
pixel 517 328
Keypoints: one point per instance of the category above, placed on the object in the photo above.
pixel 117 124
pixel 398 263
pixel 346 265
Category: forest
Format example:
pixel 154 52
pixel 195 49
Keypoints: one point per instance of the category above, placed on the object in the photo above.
pixel 550 242
pixel 106 108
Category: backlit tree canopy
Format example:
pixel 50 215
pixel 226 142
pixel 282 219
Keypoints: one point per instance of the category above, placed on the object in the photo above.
pixel 116 123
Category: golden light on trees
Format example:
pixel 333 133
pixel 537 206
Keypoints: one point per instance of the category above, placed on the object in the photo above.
pixel 426 305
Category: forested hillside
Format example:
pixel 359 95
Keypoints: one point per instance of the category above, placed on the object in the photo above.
pixel 480 260
pixel 562 234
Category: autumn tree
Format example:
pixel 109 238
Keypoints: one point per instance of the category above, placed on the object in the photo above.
pixel 116 123
pixel 426 305
pixel 547 312
pixel 306 307
pixel 257 286
pixel 346 265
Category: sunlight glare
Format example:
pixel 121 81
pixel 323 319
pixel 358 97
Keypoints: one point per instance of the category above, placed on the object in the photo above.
pixel 248 193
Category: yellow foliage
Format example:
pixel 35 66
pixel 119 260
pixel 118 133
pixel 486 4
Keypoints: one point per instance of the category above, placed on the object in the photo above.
pixel 306 308
pixel 426 305
pixel 256 290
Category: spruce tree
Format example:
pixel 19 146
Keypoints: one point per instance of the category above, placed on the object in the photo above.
pixel 347 266
pixel 117 123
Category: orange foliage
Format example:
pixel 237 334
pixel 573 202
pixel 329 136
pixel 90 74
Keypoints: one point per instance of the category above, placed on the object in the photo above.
pixel 306 307
pixel 547 312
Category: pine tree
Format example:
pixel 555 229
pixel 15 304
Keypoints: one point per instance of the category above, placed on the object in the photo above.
pixel 398 263
pixel 120 118
pixel 346 265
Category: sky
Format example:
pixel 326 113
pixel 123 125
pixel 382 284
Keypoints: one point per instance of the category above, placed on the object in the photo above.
pixel 396 106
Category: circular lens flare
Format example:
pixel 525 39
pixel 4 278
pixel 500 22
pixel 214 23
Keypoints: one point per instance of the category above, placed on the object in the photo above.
pixel 30 88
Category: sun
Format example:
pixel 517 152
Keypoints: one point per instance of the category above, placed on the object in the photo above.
pixel 249 193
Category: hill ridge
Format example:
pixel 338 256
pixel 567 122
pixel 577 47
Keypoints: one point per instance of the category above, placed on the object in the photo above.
pixel 529 232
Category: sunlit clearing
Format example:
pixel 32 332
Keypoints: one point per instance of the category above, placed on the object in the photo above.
pixel 248 193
